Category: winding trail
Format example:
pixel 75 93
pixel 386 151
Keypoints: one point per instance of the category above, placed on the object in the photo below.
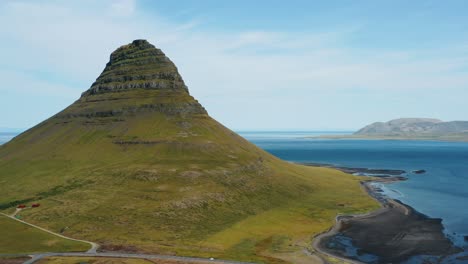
pixel 94 246
pixel 92 252
pixel 134 256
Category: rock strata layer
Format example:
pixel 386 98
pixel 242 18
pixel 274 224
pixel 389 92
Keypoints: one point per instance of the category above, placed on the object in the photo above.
pixel 138 78
pixel 138 65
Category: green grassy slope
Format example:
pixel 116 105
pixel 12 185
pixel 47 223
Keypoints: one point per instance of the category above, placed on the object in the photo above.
pixel 146 169
pixel 18 238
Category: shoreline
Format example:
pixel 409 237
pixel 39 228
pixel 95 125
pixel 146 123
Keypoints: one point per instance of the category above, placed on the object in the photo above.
pixel 335 229
pixel 382 173
pixel 415 138
pixel 395 231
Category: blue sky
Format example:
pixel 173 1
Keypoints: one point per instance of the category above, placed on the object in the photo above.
pixel 262 65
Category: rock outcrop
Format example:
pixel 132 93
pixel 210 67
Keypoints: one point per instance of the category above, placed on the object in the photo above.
pixel 138 65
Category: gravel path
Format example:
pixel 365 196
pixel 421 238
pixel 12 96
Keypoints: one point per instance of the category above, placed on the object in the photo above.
pixel 94 246
pixel 92 252
pixel 134 256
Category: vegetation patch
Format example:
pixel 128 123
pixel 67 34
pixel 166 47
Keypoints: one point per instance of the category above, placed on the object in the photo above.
pixel 43 195
pixel 19 238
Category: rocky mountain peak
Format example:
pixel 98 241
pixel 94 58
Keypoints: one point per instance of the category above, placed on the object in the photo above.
pixel 137 65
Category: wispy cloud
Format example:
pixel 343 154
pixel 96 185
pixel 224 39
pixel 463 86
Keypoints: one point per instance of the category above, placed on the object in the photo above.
pixel 123 7
pixel 74 39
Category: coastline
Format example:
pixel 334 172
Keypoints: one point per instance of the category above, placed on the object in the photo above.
pixel 393 233
pixel 417 138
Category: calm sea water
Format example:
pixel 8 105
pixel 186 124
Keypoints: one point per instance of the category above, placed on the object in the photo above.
pixel 442 192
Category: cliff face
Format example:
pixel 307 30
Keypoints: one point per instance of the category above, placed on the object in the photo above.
pixel 138 65
pixel 414 127
pixel 137 78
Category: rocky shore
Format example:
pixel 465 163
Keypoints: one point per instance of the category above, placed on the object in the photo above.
pixel 393 234
pixel 383 173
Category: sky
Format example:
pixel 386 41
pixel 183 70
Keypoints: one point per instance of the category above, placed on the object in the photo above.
pixel 254 65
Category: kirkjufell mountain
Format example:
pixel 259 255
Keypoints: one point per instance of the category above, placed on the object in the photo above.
pixel 137 165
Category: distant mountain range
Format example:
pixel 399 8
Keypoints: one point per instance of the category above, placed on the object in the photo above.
pixel 416 128
pixel 410 128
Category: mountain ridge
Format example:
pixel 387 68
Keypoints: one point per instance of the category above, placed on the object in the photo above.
pixel 414 127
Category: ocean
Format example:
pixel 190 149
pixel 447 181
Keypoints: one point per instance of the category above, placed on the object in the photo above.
pixel 441 192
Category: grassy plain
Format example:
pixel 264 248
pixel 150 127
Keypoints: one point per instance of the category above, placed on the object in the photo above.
pixel 18 238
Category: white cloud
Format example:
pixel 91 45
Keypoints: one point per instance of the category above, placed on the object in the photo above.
pixel 72 40
pixel 123 7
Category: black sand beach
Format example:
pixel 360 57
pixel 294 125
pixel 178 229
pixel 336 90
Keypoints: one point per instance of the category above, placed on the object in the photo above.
pixel 394 233
pixel 384 173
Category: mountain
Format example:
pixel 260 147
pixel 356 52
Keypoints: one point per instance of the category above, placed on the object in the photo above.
pixel 416 127
pixel 399 126
pixel 136 164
